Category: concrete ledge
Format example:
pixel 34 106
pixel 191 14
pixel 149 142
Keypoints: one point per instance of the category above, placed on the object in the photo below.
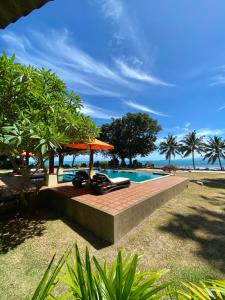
pixel 132 216
pixel 107 225
pixel 99 222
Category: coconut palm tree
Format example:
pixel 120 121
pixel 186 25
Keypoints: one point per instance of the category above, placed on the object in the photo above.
pixel 215 149
pixel 169 147
pixel 191 144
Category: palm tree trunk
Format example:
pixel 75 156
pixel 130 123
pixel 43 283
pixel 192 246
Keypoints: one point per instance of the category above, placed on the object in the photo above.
pixel 130 161
pixel 123 163
pixel 74 157
pixel 193 160
pixel 169 160
pixel 220 163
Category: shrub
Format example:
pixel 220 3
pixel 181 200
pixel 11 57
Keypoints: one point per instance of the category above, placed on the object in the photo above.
pixel 96 164
pixel 66 166
pixel 89 279
pixel 169 168
pixel 137 164
pixel 103 164
pixel 149 165
pixel 113 163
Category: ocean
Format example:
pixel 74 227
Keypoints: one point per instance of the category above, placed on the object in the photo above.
pixel 180 163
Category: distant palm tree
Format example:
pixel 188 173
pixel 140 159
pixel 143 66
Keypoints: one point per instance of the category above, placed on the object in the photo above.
pixel 170 147
pixel 215 149
pixel 191 144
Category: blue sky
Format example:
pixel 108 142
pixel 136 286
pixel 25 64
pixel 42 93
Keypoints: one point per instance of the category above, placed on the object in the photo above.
pixel 166 58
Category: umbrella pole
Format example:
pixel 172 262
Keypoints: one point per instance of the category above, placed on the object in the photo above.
pixel 91 163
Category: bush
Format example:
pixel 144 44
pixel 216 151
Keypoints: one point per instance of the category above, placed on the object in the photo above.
pixel 169 168
pixel 149 165
pixel 103 164
pixel 137 164
pixel 96 164
pixel 66 166
pixel 113 163
pixel 92 280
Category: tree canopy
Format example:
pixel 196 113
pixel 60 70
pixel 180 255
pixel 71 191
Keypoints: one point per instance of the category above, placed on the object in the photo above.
pixel 37 112
pixel 133 134
pixel 169 147
pixel 190 144
pixel 215 150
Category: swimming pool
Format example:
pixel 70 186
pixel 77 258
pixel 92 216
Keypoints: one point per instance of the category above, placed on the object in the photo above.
pixel 137 177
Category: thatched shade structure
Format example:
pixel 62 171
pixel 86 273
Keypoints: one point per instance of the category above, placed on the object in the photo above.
pixel 12 10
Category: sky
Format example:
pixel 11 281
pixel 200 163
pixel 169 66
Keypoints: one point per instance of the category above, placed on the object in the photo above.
pixel 166 58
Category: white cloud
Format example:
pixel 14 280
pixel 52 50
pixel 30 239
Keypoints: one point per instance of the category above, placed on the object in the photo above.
pixel 210 132
pixel 97 112
pixel 221 107
pixel 144 108
pixel 112 8
pixel 56 51
pixel 139 75
pixel 180 132
pixel 187 124
pixel 218 80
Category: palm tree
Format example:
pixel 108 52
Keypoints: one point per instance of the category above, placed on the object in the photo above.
pixel 215 149
pixel 170 147
pixel 191 144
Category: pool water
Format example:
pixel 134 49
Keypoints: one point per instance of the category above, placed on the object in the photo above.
pixel 133 176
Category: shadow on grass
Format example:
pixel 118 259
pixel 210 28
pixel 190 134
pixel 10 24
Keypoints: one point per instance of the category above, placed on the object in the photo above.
pixel 17 229
pixel 216 201
pixel 96 242
pixel 205 227
pixel 22 226
pixel 211 182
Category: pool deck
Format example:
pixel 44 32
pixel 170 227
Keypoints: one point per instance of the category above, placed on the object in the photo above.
pixel 112 215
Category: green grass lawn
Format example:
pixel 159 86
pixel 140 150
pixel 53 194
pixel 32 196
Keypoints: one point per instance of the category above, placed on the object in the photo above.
pixel 186 235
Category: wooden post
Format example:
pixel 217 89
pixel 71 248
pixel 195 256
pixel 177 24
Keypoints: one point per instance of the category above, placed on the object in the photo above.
pixel 51 162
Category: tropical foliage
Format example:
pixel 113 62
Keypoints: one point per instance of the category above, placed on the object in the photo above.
pixel 37 113
pixel 169 147
pixel 191 144
pixel 215 150
pixel 90 279
pixel 133 134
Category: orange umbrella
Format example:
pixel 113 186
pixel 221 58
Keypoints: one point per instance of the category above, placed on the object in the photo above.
pixel 91 145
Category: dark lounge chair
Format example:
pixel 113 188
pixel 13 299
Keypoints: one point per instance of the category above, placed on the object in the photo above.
pixel 80 179
pixel 102 184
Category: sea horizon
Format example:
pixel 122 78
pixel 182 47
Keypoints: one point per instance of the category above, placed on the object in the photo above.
pixel 185 163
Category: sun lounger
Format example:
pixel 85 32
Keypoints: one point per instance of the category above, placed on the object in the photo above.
pixel 102 184
pixel 80 179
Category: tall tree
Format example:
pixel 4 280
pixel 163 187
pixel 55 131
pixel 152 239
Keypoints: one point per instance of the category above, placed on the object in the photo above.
pixel 191 144
pixel 215 150
pixel 133 134
pixel 169 147
pixel 37 113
